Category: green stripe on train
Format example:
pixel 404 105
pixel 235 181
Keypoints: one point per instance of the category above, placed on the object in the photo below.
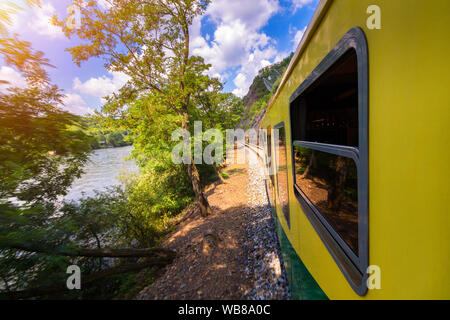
pixel 302 284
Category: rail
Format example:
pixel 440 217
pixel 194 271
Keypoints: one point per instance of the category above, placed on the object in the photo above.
pixel 260 153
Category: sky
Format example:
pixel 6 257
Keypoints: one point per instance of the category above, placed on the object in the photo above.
pixel 237 37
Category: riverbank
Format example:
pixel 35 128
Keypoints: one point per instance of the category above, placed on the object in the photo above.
pixel 110 146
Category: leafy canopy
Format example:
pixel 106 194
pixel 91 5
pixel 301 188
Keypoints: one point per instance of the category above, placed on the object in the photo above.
pixel 148 40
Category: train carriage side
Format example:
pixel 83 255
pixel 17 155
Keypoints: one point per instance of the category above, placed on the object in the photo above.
pixel 362 114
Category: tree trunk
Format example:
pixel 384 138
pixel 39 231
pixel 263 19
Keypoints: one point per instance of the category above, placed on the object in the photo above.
pixel 216 170
pixel 311 164
pixel 192 172
pixel 336 191
pixel 111 253
pixel 205 209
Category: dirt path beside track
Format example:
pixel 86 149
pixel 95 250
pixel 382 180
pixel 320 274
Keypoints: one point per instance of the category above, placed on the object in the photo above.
pixel 221 256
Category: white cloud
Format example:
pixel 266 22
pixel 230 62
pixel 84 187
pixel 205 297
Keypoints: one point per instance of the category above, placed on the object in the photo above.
pixel 75 104
pixel 240 81
pixel 40 21
pixel 297 38
pixel 232 45
pixel 301 3
pixel 14 78
pixel 253 13
pixel 257 60
pixel 101 86
pixel 237 41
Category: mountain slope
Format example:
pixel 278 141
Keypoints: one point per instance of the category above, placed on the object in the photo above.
pixel 259 93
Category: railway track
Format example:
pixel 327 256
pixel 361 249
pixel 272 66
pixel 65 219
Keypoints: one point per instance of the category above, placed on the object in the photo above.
pixel 264 256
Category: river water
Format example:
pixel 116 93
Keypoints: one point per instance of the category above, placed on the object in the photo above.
pixel 104 169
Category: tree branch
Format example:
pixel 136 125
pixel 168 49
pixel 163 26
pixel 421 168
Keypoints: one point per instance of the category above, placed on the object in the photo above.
pixel 105 252
pixel 40 291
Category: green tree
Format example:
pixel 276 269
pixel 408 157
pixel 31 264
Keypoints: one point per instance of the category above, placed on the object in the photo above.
pixel 217 110
pixel 115 139
pixel 149 41
pixel 42 149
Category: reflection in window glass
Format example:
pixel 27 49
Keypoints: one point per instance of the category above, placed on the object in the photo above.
pixel 331 183
pixel 327 112
pixel 268 145
pixel 271 193
pixel 282 183
pixel 269 152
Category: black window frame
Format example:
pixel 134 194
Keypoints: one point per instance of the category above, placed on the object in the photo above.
pixel 287 215
pixel 354 267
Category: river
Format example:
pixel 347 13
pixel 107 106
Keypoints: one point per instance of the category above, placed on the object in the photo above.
pixel 104 169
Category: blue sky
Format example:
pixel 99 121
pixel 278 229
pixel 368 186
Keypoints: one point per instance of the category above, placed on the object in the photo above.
pixel 237 37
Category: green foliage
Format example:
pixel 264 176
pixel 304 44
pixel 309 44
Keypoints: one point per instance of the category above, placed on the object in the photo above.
pixel 225 175
pixel 90 223
pixel 132 284
pixel 103 134
pixel 257 107
pixel 148 41
pixel 42 148
pixel 93 220
pixel 153 198
pixel 136 216
pixel 20 55
pixel 216 109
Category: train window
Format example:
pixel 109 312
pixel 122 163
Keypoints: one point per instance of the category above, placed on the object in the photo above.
pixel 281 171
pixel 270 182
pixel 328 110
pixel 329 181
pixel 328 114
pixel 269 161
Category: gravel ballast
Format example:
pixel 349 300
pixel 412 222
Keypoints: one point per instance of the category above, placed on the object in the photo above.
pixel 264 259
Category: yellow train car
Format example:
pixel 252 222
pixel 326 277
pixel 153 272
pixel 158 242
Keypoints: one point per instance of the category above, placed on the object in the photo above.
pixel 361 194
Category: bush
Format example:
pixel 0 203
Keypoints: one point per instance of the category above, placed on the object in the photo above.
pixel 152 199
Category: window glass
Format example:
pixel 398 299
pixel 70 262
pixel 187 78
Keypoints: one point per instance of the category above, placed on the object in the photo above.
pixel 282 183
pixel 327 112
pixel 269 166
pixel 330 182
pixel 269 148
